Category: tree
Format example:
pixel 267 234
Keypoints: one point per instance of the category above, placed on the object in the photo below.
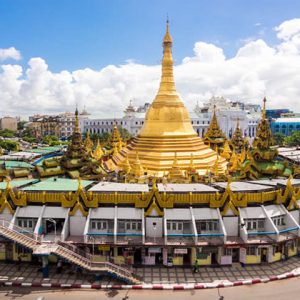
pixel 293 140
pixel 6 133
pixel 51 140
pixel 278 138
pixel 9 145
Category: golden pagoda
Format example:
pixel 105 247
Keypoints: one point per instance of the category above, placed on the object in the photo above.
pixel 214 137
pixel 116 140
pixel 261 160
pixel 77 160
pixel 238 142
pixel 167 130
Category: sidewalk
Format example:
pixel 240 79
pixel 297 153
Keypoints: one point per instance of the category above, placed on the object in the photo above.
pixel 208 274
pixel 29 273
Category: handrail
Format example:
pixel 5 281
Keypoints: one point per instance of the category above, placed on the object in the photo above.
pixel 69 248
pixel 29 235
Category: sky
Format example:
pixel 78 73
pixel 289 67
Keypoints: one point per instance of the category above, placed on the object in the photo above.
pixel 102 54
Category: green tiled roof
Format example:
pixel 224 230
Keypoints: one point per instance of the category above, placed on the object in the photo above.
pixel 17 183
pixel 45 150
pixel 15 164
pixel 57 184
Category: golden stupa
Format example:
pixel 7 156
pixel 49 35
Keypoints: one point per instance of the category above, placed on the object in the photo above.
pixel 167 130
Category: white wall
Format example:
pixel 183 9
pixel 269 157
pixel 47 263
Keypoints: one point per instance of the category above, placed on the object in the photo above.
pixel 231 225
pixel 295 214
pixel 77 224
pixel 150 232
pixel 6 215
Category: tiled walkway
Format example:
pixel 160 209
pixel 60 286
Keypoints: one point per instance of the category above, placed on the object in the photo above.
pixel 30 273
pixel 233 273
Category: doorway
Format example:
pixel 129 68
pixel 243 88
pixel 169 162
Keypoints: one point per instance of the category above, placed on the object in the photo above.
pixel 264 255
pixel 235 254
pixel 138 256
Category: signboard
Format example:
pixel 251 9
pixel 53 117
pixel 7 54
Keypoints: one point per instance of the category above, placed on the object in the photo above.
pixel 180 251
pixel 154 250
pixel 104 248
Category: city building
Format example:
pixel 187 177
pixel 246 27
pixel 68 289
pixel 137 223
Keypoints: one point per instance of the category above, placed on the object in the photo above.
pixel 9 123
pixel 285 125
pixel 61 125
pixel 227 112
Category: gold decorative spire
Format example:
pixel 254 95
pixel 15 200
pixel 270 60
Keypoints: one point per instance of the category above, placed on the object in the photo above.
pixel 88 143
pixel 214 135
pixel 226 153
pixel 116 139
pixel 175 172
pixel 238 142
pixel 98 152
pixel 264 138
pixel 137 169
pixel 126 166
pixel 167 84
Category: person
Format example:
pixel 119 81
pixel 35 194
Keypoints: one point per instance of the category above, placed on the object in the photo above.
pixel 196 266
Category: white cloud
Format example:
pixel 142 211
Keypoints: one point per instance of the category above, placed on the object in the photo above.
pixel 256 69
pixel 10 53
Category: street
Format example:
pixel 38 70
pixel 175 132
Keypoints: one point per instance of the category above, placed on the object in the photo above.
pixel 277 290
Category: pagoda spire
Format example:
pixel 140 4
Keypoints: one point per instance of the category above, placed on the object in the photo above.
pixel 264 137
pixel 167 89
pixel 76 129
pixel 214 135
pixel 238 142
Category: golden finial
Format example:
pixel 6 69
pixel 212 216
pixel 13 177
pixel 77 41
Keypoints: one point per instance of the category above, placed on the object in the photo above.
pixel 76 129
pixel 264 114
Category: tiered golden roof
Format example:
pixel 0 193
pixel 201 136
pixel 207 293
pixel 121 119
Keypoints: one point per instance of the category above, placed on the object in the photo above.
pixel 238 141
pixel 167 130
pixel 214 137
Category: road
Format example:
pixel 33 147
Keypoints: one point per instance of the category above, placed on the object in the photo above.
pixel 277 290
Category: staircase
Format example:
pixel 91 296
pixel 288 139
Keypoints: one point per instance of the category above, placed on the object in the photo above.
pixel 66 251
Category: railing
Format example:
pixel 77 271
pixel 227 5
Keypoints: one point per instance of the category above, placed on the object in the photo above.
pixel 89 259
pixel 66 248
pixel 28 234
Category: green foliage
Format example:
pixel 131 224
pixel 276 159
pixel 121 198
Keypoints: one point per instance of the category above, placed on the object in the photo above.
pixel 6 133
pixel 278 138
pixel 9 145
pixel 292 140
pixel 28 136
pixel 125 134
pixel 51 140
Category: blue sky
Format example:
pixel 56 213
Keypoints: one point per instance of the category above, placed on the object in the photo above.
pixel 56 54
pixel 74 34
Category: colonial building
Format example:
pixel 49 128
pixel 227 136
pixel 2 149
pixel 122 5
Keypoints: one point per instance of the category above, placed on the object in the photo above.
pixel 10 123
pixel 61 125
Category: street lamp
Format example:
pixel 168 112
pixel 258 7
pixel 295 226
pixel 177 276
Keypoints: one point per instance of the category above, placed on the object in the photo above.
pixel 54 222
